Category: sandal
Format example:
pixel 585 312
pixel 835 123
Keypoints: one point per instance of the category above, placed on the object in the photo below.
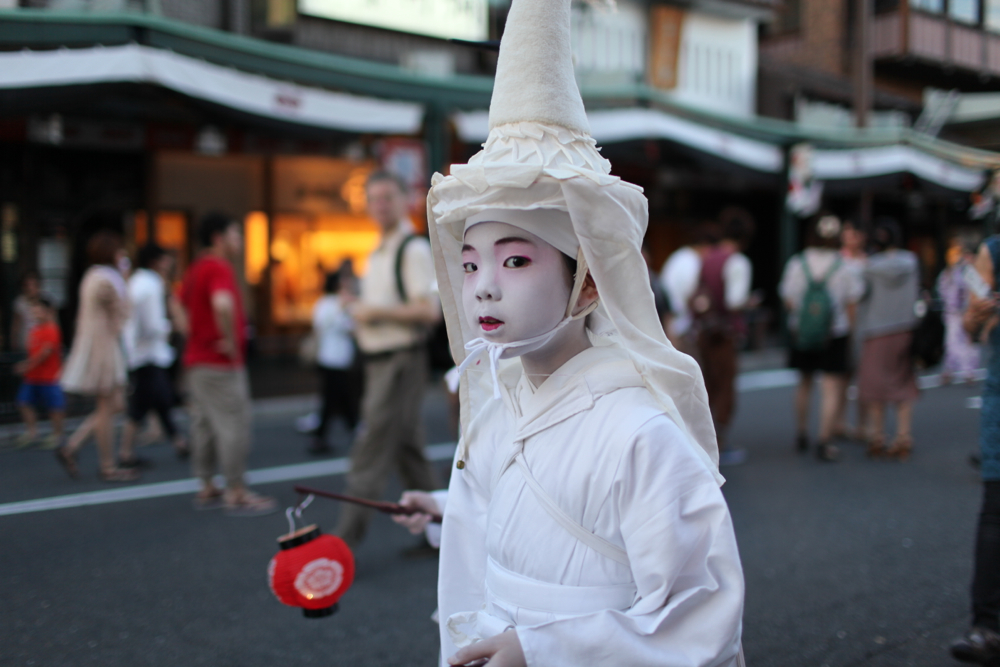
pixel 68 462
pixel 135 462
pixel 249 503
pixel 876 447
pixel 182 449
pixel 118 475
pixel 827 452
pixel 901 448
pixel 207 500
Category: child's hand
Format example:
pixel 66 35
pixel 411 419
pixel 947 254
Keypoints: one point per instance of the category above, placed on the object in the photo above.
pixel 417 500
pixel 503 650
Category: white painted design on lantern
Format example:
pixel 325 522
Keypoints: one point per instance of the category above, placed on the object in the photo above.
pixel 319 578
pixel 270 576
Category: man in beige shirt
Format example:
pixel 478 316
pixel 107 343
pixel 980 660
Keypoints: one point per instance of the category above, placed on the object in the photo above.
pixel 394 314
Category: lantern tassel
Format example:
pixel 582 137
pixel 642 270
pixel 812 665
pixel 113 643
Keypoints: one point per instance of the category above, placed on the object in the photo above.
pixel 381 506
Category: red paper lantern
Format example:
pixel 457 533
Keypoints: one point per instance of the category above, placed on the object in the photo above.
pixel 311 571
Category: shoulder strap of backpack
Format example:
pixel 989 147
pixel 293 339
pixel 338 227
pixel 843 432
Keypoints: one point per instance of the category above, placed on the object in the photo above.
pixel 833 270
pixel 821 282
pixel 805 269
pixel 400 287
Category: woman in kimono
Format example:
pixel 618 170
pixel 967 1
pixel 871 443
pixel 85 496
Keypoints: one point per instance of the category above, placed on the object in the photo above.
pixel 583 524
pixel 961 353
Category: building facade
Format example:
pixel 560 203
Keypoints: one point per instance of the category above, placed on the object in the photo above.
pixel 274 112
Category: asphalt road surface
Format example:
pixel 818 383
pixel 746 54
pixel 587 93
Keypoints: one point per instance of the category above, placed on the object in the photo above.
pixel 854 563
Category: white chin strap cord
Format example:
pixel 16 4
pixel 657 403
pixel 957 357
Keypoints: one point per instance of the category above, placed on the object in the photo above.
pixel 498 351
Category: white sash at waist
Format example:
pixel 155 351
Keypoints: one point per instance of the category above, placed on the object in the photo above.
pixel 515 590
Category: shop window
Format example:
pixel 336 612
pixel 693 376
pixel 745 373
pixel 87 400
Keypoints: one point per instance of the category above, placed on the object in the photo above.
pixel 966 11
pixel 255 235
pixel 171 233
pixel 991 9
pixel 320 223
pixel 932 6
pixel 305 249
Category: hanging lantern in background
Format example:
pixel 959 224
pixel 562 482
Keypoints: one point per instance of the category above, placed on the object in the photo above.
pixel 311 571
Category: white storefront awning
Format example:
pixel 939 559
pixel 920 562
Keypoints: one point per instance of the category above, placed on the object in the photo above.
pixel 831 165
pixel 615 125
pixel 249 93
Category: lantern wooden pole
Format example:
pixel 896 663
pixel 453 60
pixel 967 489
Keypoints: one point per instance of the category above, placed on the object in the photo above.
pixel 381 506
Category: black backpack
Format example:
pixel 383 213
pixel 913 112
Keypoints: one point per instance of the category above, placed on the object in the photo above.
pixel 438 347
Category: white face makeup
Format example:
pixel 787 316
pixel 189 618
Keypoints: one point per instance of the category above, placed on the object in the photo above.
pixel 516 285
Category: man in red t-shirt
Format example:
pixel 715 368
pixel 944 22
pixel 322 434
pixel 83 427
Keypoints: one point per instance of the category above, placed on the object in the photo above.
pixel 216 373
pixel 41 370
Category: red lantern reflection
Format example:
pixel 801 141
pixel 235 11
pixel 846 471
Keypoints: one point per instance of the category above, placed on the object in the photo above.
pixel 311 571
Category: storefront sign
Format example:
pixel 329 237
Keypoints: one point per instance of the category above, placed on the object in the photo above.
pixel 459 19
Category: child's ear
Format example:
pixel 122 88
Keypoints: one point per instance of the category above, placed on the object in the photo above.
pixel 588 294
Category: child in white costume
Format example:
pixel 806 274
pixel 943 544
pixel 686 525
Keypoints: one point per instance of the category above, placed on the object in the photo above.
pixel 584 524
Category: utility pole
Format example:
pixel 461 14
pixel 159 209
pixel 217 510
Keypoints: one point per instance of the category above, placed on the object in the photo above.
pixel 863 81
pixel 863 11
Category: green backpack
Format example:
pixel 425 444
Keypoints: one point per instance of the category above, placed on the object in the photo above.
pixel 816 313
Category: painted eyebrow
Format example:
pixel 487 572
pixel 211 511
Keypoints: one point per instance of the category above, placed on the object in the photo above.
pixel 504 241
pixel 512 239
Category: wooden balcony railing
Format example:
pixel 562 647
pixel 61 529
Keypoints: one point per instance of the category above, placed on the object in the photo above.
pixel 936 40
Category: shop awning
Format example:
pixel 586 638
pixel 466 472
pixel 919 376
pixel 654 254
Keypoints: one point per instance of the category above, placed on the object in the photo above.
pixel 830 165
pixel 250 93
pixel 615 125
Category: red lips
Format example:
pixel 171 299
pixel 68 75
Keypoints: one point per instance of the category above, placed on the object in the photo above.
pixel 489 323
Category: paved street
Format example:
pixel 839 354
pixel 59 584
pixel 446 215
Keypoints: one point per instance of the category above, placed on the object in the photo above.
pixel 859 563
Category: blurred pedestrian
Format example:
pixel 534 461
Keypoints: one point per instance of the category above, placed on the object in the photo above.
pixel 150 356
pixel 96 364
pixel 335 357
pixel 40 387
pixel 855 257
pixel 394 314
pixel 216 371
pixel 981 643
pixel 23 319
pixel 716 305
pixel 961 354
pixel 660 299
pixel 679 278
pixel 887 373
pixel 820 293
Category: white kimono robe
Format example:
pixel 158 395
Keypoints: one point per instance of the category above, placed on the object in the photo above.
pixel 596 442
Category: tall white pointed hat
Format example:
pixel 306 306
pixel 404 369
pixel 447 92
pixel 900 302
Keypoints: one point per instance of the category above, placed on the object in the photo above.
pixel 540 170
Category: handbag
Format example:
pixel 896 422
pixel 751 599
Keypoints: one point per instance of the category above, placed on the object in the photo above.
pixel 927 348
